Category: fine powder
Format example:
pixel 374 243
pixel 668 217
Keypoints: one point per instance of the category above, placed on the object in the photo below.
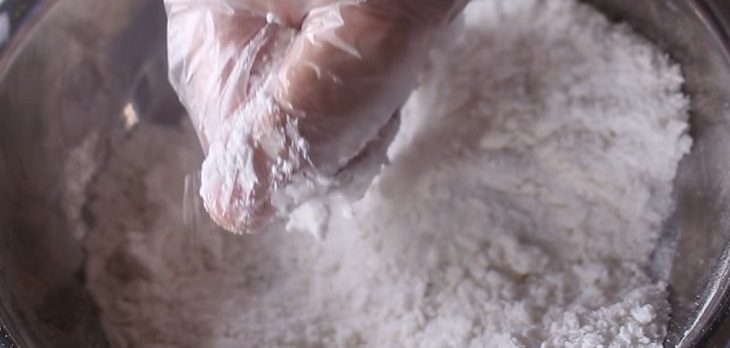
pixel 527 188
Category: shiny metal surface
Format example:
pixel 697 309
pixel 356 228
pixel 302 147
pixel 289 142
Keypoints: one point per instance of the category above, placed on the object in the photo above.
pixel 696 34
pixel 75 65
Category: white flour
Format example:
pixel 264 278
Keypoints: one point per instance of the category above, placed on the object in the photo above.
pixel 527 188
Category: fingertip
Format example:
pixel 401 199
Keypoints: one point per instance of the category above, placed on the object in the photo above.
pixel 256 155
pixel 233 208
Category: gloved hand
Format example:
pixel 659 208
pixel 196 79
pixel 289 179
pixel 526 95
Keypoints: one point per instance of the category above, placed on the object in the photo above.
pixel 282 91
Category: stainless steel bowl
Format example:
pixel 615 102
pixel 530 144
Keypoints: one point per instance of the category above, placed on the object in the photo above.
pixel 74 69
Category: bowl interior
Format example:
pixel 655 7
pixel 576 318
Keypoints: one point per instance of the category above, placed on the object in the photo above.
pixel 67 85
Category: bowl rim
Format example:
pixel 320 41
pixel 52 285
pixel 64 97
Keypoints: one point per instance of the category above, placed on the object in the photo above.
pixel 714 312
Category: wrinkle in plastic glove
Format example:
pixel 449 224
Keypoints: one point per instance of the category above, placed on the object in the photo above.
pixel 284 93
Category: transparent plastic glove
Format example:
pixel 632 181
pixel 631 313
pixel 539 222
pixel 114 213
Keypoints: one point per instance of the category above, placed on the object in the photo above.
pixel 286 92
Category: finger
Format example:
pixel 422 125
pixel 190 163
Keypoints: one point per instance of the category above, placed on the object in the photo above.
pixel 217 59
pixel 353 64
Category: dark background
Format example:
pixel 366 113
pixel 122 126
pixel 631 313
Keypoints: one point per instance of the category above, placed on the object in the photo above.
pixel 5 341
pixel 20 9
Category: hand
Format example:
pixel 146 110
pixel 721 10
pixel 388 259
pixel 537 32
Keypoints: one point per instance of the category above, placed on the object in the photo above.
pixel 279 89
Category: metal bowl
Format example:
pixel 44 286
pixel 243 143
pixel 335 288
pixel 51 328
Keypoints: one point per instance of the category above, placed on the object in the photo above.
pixel 79 69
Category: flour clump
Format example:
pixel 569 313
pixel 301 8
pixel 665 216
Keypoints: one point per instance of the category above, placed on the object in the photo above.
pixel 527 188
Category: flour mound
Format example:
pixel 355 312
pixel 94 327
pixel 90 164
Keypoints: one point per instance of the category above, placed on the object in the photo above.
pixel 527 188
